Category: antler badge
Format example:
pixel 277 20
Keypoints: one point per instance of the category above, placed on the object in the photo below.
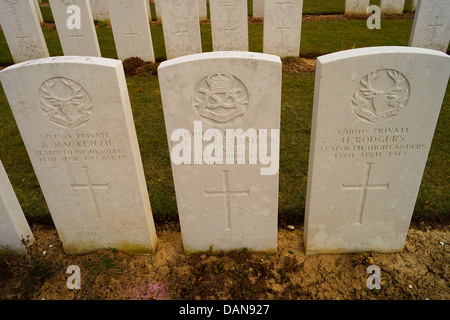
pixel 380 95
pixel 65 102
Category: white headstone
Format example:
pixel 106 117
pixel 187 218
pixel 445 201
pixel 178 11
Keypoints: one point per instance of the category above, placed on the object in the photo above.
pixel 157 10
pixel 227 195
pixel 414 5
pixel 392 6
pixel 77 40
pixel 356 7
pixel 282 27
pixel 13 226
pixel 100 9
pixel 371 134
pixel 181 27
pixel 431 27
pixel 202 10
pixel 22 30
pixel 229 25
pixel 75 119
pixel 131 29
pixel 258 8
pixel 38 11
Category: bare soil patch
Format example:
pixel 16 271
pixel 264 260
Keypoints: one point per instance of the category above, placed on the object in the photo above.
pixel 421 271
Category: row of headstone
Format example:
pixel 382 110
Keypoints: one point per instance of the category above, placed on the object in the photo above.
pixel 370 141
pixel 359 7
pixel 100 8
pixel 132 35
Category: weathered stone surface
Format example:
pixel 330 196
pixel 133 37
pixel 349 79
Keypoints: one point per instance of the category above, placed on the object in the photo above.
pixel 229 25
pixel 282 27
pixel 75 119
pixel 374 117
pixel 131 29
pixel 13 226
pixel 227 196
pixel 74 41
pixel 22 30
pixel 431 27
pixel 181 27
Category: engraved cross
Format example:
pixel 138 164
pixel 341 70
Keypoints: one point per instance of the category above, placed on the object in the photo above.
pixel 181 33
pixel 226 194
pixel 282 28
pixel 22 37
pixel 131 34
pixel 77 36
pixel 364 187
pixel 230 31
pixel 435 25
pixel 91 187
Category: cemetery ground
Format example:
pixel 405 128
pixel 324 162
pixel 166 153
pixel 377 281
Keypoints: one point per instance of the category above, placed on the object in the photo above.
pixel 421 271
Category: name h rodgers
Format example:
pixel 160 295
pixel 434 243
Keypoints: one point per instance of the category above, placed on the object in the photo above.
pixel 208 147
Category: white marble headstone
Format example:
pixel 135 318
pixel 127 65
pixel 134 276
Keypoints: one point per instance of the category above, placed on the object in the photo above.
pixel 374 115
pixel 414 5
pixel 229 25
pixel 356 7
pixel 100 9
pixel 75 41
pixel 38 11
pixel 202 10
pixel 258 8
pixel 181 27
pixel 282 27
pixel 22 30
pixel 131 29
pixel 157 10
pixel 13 226
pixel 431 26
pixel 75 119
pixel 227 195
pixel 392 6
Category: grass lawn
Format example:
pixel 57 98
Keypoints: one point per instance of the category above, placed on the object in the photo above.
pixel 296 114
pixel 318 37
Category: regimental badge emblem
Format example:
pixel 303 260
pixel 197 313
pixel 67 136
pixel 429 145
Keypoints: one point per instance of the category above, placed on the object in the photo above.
pixel 12 6
pixel 177 3
pixel 126 3
pixel 220 98
pixel 380 95
pixel 65 102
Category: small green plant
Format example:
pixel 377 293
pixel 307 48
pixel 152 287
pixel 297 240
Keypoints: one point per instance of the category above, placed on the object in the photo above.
pixel 364 258
pixel 34 268
pixel 101 23
pixel 106 263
